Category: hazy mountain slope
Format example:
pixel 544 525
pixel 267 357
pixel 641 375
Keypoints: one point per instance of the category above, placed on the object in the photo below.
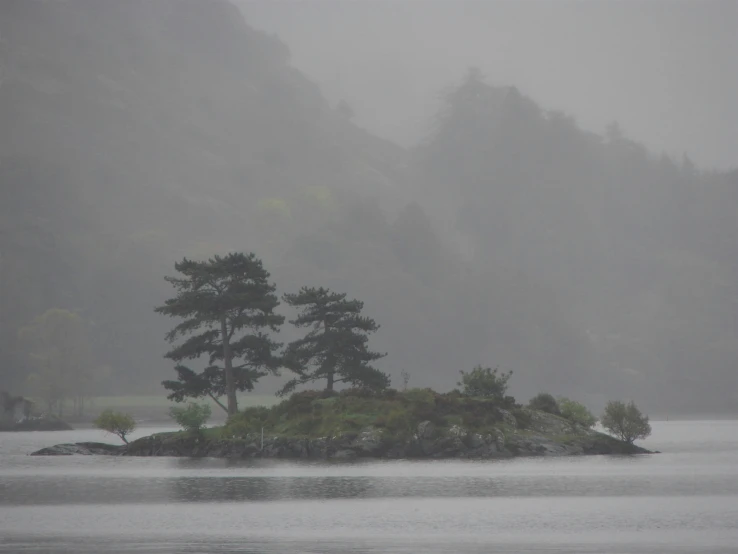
pixel 166 126
pixel 133 133
pixel 635 247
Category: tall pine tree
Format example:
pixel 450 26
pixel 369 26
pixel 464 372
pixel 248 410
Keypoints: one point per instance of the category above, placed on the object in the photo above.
pixel 336 347
pixel 225 303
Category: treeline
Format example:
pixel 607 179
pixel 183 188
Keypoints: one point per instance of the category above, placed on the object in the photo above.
pixel 61 363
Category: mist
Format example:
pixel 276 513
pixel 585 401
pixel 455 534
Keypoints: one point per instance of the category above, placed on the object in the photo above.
pixel 667 72
pixel 548 188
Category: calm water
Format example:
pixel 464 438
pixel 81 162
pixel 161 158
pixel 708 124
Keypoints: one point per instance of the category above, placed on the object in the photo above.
pixel 683 500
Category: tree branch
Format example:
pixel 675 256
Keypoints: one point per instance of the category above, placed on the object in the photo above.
pixel 218 402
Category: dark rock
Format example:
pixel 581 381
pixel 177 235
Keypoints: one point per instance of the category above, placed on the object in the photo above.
pixel 476 441
pixel 426 430
pixel 508 419
pixel 318 449
pixel 345 454
pixel 81 449
pixel 368 443
pixel 457 431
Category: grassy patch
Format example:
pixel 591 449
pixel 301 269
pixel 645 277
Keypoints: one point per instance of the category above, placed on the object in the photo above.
pixel 313 414
pixel 567 439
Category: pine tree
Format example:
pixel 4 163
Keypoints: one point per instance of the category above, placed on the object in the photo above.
pixel 336 347
pixel 225 302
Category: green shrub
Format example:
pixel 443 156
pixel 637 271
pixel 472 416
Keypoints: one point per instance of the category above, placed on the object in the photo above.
pixel 117 423
pixel 544 402
pixel 191 417
pixel 625 421
pixel 250 420
pixel 420 397
pixel 484 382
pixel 301 402
pixel 509 403
pixel 420 405
pixel 576 412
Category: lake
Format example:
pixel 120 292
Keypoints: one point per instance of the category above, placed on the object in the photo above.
pixel 683 500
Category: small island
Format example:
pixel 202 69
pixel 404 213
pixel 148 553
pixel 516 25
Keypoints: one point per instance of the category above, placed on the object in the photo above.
pixel 226 306
pixel 355 423
pixel 17 414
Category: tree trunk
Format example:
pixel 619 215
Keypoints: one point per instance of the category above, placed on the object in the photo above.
pixel 329 385
pixel 228 361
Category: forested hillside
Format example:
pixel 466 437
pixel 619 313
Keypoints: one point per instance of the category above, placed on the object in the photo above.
pixel 134 133
pixel 638 248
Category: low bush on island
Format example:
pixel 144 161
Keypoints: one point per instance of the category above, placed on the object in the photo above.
pixel 625 421
pixel 191 418
pixel 116 423
pixel 576 412
pixel 544 402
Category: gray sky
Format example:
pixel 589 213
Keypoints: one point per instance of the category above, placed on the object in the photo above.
pixel 667 71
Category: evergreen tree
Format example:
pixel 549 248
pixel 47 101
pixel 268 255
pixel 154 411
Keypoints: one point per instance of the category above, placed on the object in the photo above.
pixel 336 347
pixel 225 302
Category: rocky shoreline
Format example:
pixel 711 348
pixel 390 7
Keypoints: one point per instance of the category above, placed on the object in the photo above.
pixel 547 438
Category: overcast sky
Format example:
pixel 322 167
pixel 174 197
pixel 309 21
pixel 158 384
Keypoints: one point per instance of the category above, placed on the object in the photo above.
pixel 667 71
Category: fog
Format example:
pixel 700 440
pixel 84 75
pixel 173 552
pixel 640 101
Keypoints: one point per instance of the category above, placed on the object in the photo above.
pixel 666 71
pixel 493 216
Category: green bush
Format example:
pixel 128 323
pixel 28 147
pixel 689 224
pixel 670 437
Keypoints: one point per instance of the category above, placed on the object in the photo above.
pixel 192 417
pixel 544 402
pixel 625 421
pixel 484 381
pixel 117 423
pixel 248 421
pixel 576 412
pixel 420 397
pixel 301 403
pixel 420 405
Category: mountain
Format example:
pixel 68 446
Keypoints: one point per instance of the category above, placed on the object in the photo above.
pixel 134 133
pixel 635 246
